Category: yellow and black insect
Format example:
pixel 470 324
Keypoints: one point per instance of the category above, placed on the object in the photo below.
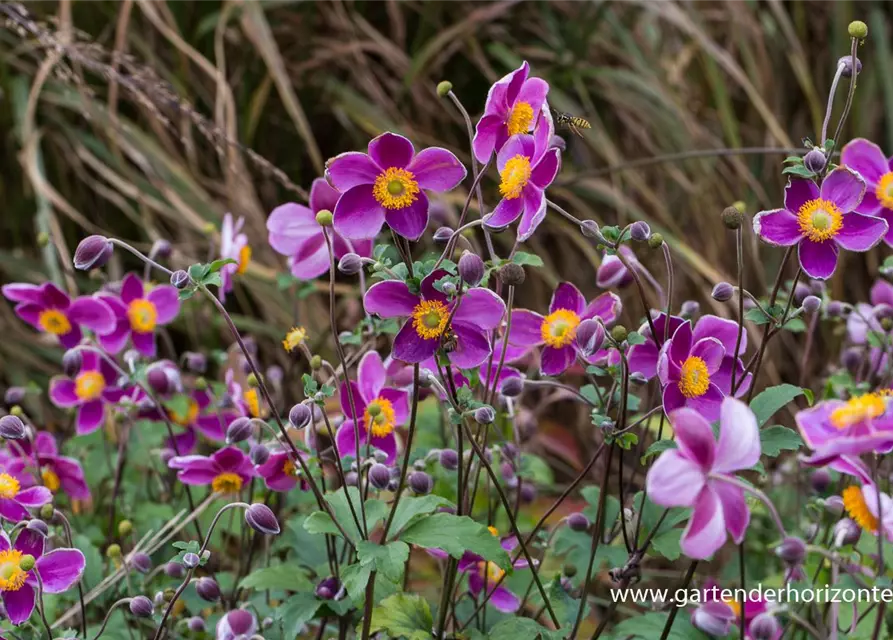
pixel 568 121
pixel 449 341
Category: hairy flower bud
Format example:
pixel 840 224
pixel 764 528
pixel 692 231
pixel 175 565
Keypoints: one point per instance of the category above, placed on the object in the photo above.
pixel 443 234
pixel 190 560
pixel 420 483
pixel 512 387
pixel 39 526
pixel 141 562
pixel 180 279
pixel 207 589
pixel 92 252
pixel 261 518
pixel 195 624
pixel 13 396
pixel 528 493
pixel 820 480
pixel 324 218
pixel 449 459
pixel 379 476
pixel 161 248
pixel 350 264
pixel 259 454
pixel 174 570
pixel 846 532
pixel 71 362
pixel 834 309
pixel 689 309
pixel 300 416
pixel 857 29
pixel 444 87
pixel 238 430
pixel 815 160
pixel 590 337
pixel 195 362
pixel 640 231
pixel 47 512
pixel 852 359
pixel 847 63
pixel 722 292
pixel 141 607
pixel 12 428
pixel 471 268
pixel 484 415
pixel 512 274
pixel 713 618
pixel 811 304
pixel 792 550
pixel 764 627
pixel 732 217
pixel 656 241
pixel 351 478
pixel 329 589
pixel 578 522
pixel 619 333
pixel 113 551
pixel 589 228
pixel 158 380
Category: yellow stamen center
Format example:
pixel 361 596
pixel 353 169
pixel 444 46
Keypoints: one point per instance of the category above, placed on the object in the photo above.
pixel 884 190
pixel 493 531
pixel 490 572
pixel 514 177
pixel 379 417
pixel 820 220
pixel 294 338
pixel 142 315
pixel 735 606
pixel 54 321
pixel 9 486
pixel 519 119
pixel 51 480
pixel 89 385
pixel 252 399
pixel 244 259
pixel 289 469
pixel 187 419
pixel 857 508
pixel 694 381
pixel 395 188
pixel 429 318
pixel 856 410
pixel 559 328
pixel 227 482
pixel 12 578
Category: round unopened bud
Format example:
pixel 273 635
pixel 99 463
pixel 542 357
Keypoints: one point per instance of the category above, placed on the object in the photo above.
pixel 39 526
pixel 71 362
pixel 379 476
pixel 811 304
pixel 43 239
pixel 252 380
pixel 113 551
pixel 350 264
pixel 732 217
pixel 852 359
pixel 640 231
pixel 512 387
pixel 815 160
pixel 180 279
pixel 512 274
pixel 141 562
pixel 578 522
pixel 351 478
pixel 191 560
pixel 92 252
pixel 329 588
pixel 833 505
pixel 158 380
pixel 16 411
pixel 886 324
pixel 13 396
pixel 316 363
pixel 800 292
pixel 449 289
pixel 834 309
pixel 471 268
pixel 12 428
pixel 420 483
pixel 161 248
pixel 444 87
pixel 484 415
pixel 820 479
pixel 528 493
pixel 26 562
pixel 196 624
pixel 259 454
pixel 449 459
pixel 300 416
pixel 656 241
pixel 764 627
pixel 846 63
pixel 443 234
pixel 261 518
pixel 589 228
pixel 590 337
pixel 174 570
pixel 619 333
pixel 125 527
pixel 857 29
pixel 238 430
pixel 722 292
pixel 846 532
pixel 792 550
pixel 713 618
pixel 689 309
pixel 47 512
pixel 324 218
pixel 207 589
pixel 195 362
pixel 141 607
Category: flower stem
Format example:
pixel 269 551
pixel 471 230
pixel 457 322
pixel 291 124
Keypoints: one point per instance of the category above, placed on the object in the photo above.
pixel 108 615
pixel 685 582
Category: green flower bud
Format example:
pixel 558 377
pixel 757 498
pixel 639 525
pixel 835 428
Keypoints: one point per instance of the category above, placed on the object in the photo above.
pixel 113 551
pixel 732 217
pixel 655 241
pixel 252 381
pixel 201 384
pixel 47 511
pixel 619 333
pixel 17 411
pixel 858 29
pixel 443 88
pixel 324 218
pixel 316 363
pixel 26 562
pixel 43 239
pixel 125 527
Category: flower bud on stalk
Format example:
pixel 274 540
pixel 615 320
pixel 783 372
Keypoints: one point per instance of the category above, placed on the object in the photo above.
pixel 141 607
pixel 379 476
pixel 722 292
pixel 324 218
pixel 578 522
pixel 420 483
pixel 847 63
pixel 619 333
pixel 14 396
pixel 764 627
pixel 512 387
pixel 190 560
pixel 238 430
pixel 484 415
pixel 656 241
pixel 141 562
pixel 174 570
pixel 207 589
pixel 92 252
pixel 261 518
pixel 590 337
pixel 443 88
pixel 350 264
pixel 195 624
pixel 71 362
pixel 732 217
pixel 640 231
pixel 811 304
pixel 792 550
pixel 815 160
pixel 449 459
pixel 512 274
pixel 180 279
pixel 259 454
pixel 12 428
pixel 443 234
pixel 471 268
pixel 589 228
pixel 300 416
pixel 846 532
pixel 689 309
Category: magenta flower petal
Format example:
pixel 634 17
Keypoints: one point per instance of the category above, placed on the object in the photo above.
pixel 723 329
pixel 166 302
pixel 844 187
pixel 437 169
pixel 347 170
pixel 91 313
pixel 534 92
pixel 390 299
pixel 19 604
pixel 62 392
pixel 567 296
pixel 472 346
pixel 777 227
pixel 672 398
pixel 818 259
pixel 504 600
pixel 607 306
pixel 30 542
pixel 739 438
pixel 229 458
pixel 345 438
pixel 371 376
pixel 311 259
pixel 60 569
pixel 345 392
pixel 144 342
pixel 12 510
pixel 131 288
pixel 711 351
pixel 694 436
pixel 870 205
pixel 506 212
pixel 30 313
pixel 526 329
pixel 211 426
pixel 34 497
pixel 399 400
pixel 480 307
pixel 734 509
pixel 486 136
pixel 322 195
pixel 706 530
pixel 116 340
pixel 72 338
pixel 388 444
pixel 674 480
pixel 53 297
pixel 866 158
pixel 860 232
pixel 546 169
pixel 22 292
pixel 290 224
pixel 410 347
pixel 534 212
pixel 708 405
pixel 556 361
pixel 89 417
pixel 391 150
pixel 358 214
pixel 643 359
pixel 680 345
pixel 518 145
pixel 798 192
pixel 410 222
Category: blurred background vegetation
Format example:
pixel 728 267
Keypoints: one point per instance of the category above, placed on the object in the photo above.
pixel 149 120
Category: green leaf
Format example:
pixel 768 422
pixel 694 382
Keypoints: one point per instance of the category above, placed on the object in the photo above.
pixel 355 577
pixel 297 611
pixel 389 559
pixel 775 439
pixel 612 506
pixel 321 522
pixel 634 337
pixel 403 615
pixel 528 259
pixel 410 507
pixel 756 316
pixel 289 576
pixel 198 272
pixel 798 170
pixel 217 265
pixel 518 628
pixel 772 399
pixel 667 544
pixel 651 626
pixel 657 448
pixel 455 535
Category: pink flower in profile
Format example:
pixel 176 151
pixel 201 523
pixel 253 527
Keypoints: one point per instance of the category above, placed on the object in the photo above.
pixel 295 233
pixel 59 570
pixel 139 314
pixel 387 185
pixel 235 625
pixel 226 471
pixel 513 107
pixel 50 310
pixel 233 246
pixel 58 473
pixel 280 473
pixel 701 474
pixel 15 501
pixel 483 576
pixel 876 169
pixel 94 387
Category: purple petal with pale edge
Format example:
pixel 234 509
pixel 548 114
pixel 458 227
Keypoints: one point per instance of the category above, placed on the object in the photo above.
pixel 708 405
pixel 481 308
pixel 311 259
pixel 870 204
pixel 852 466
pixel 546 169
pixel 391 150
pixel 347 170
pixel 346 439
pixel 72 338
pixel 388 444
pixel 844 187
pixel 45 444
pixel 734 508
pixel 814 423
pixel 34 497
pixel 113 342
pixel 144 342
pixel 427 287
pixel 93 314
pixel 30 542
pixel 567 296
pixel 53 297
pixel 358 214
pixel 472 346
pixel 409 222
pixel 534 92
pixel 556 361
pixel 390 299
pixel 371 376
pixel 504 600
pixel 12 511
pixel 4 541
pixel 229 458
pixel 211 426
pixel 643 359
pixel 22 292
pixel 62 392
pixel 516 81
pixel 865 157
pixel 166 302
pixel 72 477
pixel 399 400
pixel 674 480
pixel 131 288
pixel 89 417
pixel 486 136
pixel 724 330
pixel 882 293
pixel 437 169
pixel 19 604
pixel 798 192
pixel 359 403
pixel 30 313
pixel 611 273
pixel 871 495
pixel 526 329
pixel 322 195
pixel 860 232
pixel 694 437
pixel 534 212
pixel 412 348
pixel 706 530
pixel 518 145
pixel 680 344
pixel 60 569
pixel 606 306
pixel 778 227
pixel 818 259
pixel 711 351
pixel 739 438
pixel 505 213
